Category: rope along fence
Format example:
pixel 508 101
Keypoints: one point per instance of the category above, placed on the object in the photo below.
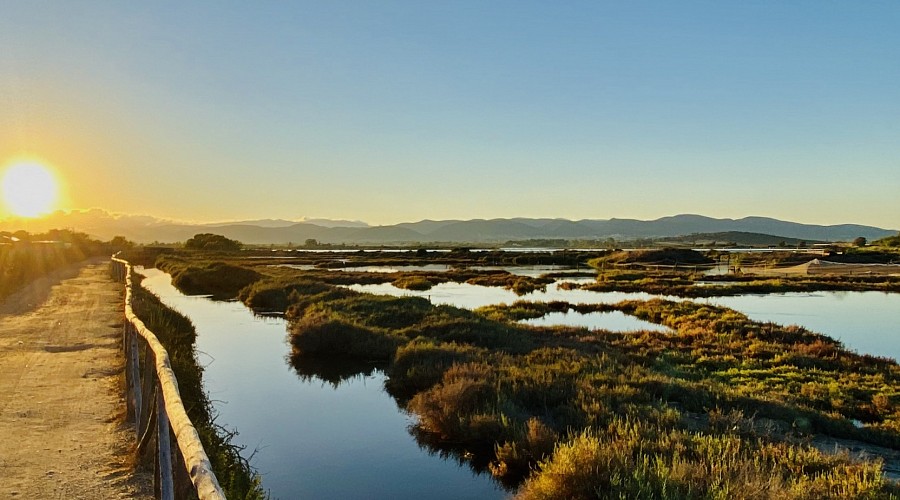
pixel 156 407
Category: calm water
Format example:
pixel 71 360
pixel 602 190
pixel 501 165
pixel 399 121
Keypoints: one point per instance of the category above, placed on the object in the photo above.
pixel 435 268
pixel 313 440
pixel 469 296
pixel 615 321
pixel 531 271
pixel 867 322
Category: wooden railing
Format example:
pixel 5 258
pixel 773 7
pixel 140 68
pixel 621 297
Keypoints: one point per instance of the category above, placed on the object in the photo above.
pixel 155 404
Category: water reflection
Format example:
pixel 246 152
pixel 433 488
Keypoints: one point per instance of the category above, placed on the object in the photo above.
pixel 529 271
pixel 614 321
pixel 867 322
pixel 535 271
pixel 332 371
pixel 469 296
pixel 477 460
pixel 320 431
pixel 435 268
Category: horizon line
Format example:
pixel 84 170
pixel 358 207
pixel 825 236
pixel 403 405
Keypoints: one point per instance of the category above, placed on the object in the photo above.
pixel 308 219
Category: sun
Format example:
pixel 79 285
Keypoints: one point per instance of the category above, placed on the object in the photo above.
pixel 29 189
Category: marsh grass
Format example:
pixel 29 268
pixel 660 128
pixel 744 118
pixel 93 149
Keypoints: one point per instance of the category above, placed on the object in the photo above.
pixel 421 363
pixel 655 256
pixel 219 279
pixel 419 283
pixel 320 334
pixel 520 285
pixel 630 459
pixel 684 284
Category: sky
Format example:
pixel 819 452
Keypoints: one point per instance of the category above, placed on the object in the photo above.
pixel 396 111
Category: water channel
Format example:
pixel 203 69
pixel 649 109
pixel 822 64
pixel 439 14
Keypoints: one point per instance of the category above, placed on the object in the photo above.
pixel 313 439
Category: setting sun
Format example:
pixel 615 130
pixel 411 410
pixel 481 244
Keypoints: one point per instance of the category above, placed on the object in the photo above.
pixel 29 189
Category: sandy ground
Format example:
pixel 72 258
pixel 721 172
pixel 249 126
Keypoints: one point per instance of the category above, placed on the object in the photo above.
pixel 61 400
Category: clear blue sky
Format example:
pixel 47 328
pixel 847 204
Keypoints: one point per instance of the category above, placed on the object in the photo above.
pixel 398 111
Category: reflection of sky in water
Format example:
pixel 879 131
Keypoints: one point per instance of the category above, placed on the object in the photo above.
pixel 434 268
pixel 531 271
pixel 614 321
pixel 314 440
pixel 300 267
pixel 868 322
pixel 474 296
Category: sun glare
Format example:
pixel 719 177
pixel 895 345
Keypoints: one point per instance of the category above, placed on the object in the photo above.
pixel 29 189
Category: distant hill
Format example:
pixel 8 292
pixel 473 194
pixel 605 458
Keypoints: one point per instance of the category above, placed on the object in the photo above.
pixel 257 222
pixel 286 223
pixel 737 238
pixel 145 229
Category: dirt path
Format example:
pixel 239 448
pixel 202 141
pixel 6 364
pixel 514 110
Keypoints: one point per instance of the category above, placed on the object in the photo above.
pixel 61 400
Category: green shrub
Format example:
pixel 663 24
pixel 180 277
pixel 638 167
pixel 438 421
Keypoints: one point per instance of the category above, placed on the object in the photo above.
pixel 448 407
pixel 421 363
pixel 323 335
pixel 212 242
pixel 413 283
pixel 219 279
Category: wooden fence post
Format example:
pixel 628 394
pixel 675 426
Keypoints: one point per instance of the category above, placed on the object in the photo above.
pixel 134 369
pixel 166 484
pixel 148 386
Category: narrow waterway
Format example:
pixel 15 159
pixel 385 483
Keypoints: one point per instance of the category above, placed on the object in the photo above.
pixel 310 438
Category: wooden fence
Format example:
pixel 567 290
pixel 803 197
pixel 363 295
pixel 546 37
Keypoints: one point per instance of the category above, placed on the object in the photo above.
pixel 155 404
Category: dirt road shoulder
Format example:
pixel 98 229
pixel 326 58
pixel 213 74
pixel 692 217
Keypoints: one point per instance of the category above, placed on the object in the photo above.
pixel 61 400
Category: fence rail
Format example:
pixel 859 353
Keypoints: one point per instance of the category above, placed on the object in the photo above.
pixel 155 404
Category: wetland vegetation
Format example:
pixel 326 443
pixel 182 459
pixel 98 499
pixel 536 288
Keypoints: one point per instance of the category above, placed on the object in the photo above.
pixel 719 406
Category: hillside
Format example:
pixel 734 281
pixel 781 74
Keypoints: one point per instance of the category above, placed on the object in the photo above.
pixel 736 238
pixel 144 229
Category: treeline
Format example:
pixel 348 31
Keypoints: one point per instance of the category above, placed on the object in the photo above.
pixel 890 241
pixel 25 257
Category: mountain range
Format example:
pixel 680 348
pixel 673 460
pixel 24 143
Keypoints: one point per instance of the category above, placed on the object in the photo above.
pixel 147 229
